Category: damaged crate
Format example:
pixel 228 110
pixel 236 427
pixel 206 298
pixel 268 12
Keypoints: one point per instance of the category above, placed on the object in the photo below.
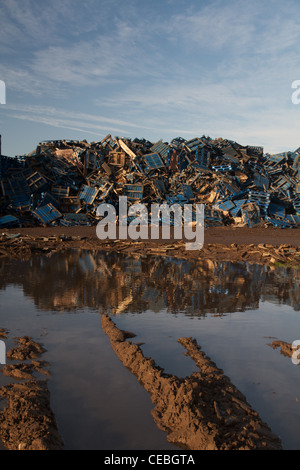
pixel 134 192
pixel 88 194
pixel 251 214
pixel 47 214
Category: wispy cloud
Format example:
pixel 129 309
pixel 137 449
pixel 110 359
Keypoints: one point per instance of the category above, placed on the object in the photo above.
pixel 70 120
pixel 214 26
pixel 238 26
pixel 153 68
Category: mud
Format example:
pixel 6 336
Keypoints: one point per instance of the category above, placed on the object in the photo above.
pixel 25 371
pixel 3 333
pixel 27 422
pixel 203 411
pixel 259 245
pixel 26 419
pixel 26 349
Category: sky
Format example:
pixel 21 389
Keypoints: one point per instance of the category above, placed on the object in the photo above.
pixel 149 69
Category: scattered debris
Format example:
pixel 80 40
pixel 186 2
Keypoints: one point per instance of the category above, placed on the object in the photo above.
pixel 23 246
pixel 61 183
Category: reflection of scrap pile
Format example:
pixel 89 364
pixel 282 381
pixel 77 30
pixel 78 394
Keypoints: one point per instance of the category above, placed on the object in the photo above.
pixel 63 182
pixel 118 283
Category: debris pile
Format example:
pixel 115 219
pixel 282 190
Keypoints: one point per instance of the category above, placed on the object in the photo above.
pixel 63 182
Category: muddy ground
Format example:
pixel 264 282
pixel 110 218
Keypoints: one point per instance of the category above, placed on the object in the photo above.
pixel 27 421
pixel 224 235
pixel 203 411
pixel 258 245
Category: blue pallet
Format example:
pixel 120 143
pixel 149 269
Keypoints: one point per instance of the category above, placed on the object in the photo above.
pixel 47 214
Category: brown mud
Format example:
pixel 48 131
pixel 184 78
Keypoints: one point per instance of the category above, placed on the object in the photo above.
pixel 26 349
pixel 25 371
pixel 258 245
pixel 27 421
pixel 203 411
pixel 3 333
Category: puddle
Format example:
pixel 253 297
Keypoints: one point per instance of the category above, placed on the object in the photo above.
pixel 233 311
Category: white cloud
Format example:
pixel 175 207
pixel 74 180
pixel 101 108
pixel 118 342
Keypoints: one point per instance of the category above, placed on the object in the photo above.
pixel 70 120
pixel 215 26
pixel 213 67
pixel 238 28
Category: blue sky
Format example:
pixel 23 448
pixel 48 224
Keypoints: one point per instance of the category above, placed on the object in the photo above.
pixel 149 69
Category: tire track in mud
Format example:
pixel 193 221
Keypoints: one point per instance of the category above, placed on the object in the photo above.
pixel 203 411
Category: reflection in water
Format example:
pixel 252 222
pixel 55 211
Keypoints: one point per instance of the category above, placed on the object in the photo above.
pixel 116 284
pixel 89 384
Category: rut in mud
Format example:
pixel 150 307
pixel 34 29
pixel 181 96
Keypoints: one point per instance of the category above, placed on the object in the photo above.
pixel 203 411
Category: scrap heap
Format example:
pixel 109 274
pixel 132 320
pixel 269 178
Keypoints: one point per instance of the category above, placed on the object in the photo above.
pixel 63 182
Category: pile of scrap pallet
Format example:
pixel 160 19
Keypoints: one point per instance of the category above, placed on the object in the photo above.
pixel 63 182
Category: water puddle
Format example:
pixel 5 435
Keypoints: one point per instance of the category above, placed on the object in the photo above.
pixel 234 311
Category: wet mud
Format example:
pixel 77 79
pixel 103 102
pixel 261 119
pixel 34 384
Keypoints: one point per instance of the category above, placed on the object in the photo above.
pixel 26 349
pixel 25 371
pixel 3 333
pixel 27 421
pixel 258 245
pixel 203 411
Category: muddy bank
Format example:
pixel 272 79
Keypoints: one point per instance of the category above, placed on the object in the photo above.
pixel 27 421
pixel 25 371
pixel 223 235
pixel 203 411
pixel 263 246
pixel 26 349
